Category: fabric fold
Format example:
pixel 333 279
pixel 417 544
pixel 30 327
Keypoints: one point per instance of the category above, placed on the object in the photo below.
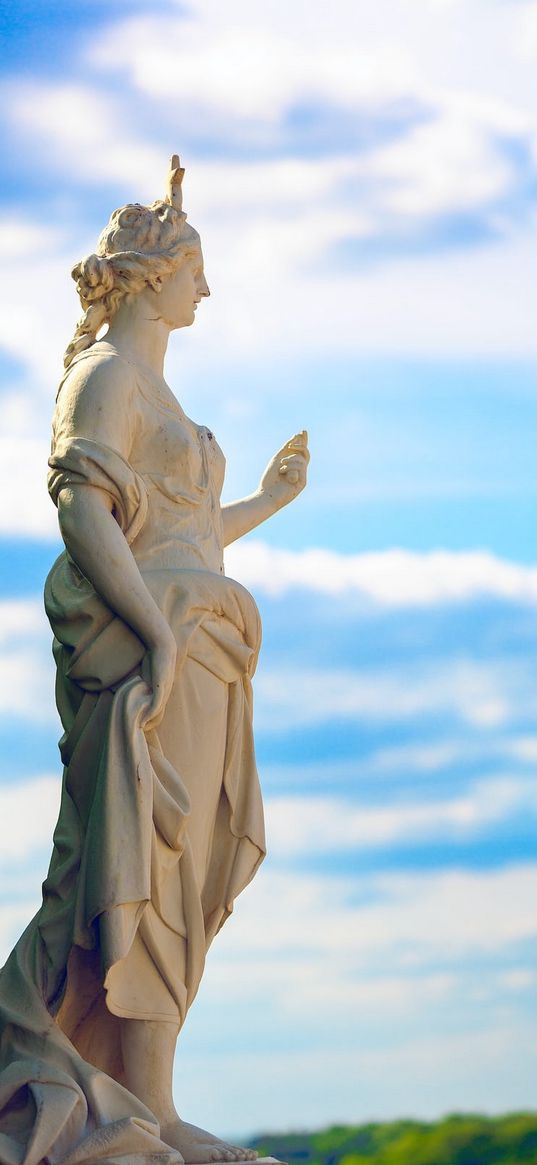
pixel 159 831
pixel 81 461
pixel 123 881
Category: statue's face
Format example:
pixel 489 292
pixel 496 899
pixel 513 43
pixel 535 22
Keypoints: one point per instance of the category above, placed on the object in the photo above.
pixel 181 292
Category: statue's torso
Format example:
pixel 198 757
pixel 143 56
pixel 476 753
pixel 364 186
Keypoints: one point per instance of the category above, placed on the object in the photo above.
pixel 137 428
pixel 182 467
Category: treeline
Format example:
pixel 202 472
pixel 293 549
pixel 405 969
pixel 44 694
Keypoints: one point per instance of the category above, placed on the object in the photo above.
pixel 464 1139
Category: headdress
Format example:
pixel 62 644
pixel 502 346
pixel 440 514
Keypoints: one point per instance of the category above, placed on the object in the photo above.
pixel 174 193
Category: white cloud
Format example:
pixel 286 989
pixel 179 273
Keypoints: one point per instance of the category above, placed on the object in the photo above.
pixel 482 695
pixel 307 978
pixel 402 921
pixel 268 222
pixel 380 767
pixel 39 309
pixel 20 239
pixel 526 30
pixel 58 114
pixel 26 686
pixel 26 510
pixel 427 759
pixel 490 695
pixel 250 62
pixel 19 619
pixel 14 918
pixel 447 165
pixel 369 64
pixel 298 825
pixel 26 665
pixel 396 577
pixel 419 758
pixel 225 58
pixel 524 748
pixel 519 979
pixel 422 763
pixel 28 814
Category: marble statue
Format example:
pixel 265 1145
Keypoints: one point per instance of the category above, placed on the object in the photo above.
pixel 161 821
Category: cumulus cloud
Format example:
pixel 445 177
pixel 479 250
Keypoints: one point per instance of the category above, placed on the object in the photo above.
pixel 526 30
pixel 415 762
pixel 368 65
pixel 397 578
pixel 294 222
pixel 24 465
pixel 28 814
pixel 235 59
pixel 21 239
pixel 320 825
pixel 110 151
pixel 441 917
pixel 448 165
pixel 14 918
pixel 38 311
pixel 20 618
pixel 362 52
pixel 482 695
pixel 26 666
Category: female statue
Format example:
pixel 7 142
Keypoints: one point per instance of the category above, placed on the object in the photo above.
pixel 161 823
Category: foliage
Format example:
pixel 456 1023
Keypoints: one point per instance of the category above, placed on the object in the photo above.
pixel 458 1139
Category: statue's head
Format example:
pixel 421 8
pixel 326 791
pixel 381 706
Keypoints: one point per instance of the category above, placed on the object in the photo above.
pixel 141 247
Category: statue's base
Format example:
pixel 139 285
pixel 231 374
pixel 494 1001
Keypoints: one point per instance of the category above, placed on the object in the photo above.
pixel 259 1160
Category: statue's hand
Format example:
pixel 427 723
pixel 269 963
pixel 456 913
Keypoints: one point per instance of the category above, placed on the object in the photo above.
pixel 159 670
pixel 286 474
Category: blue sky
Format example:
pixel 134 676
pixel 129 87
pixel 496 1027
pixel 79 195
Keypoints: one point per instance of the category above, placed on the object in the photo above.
pixel 365 182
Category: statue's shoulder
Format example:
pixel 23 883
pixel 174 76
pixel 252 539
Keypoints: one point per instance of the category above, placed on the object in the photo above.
pixel 98 377
pixel 98 399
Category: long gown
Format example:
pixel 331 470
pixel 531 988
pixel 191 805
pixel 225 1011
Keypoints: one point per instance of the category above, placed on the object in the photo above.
pixel 158 832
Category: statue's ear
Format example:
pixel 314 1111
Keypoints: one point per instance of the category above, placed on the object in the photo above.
pixel 155 283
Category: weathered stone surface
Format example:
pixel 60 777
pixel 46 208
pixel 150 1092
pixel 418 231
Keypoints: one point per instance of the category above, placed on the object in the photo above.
pixel 161 821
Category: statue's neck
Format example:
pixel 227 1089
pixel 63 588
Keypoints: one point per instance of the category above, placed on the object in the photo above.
pixel 139 335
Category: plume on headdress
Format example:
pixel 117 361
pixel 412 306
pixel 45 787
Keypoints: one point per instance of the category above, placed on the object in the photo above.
pixel 174 193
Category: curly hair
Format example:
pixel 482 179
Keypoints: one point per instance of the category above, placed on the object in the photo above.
pixel 140 245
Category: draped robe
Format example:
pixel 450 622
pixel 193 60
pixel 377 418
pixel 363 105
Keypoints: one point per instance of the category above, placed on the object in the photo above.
pixel 158 831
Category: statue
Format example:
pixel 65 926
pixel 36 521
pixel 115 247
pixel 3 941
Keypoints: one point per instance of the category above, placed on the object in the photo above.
pixel 161 821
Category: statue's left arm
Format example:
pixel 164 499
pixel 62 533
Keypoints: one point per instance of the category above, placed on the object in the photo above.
pixel 283 480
